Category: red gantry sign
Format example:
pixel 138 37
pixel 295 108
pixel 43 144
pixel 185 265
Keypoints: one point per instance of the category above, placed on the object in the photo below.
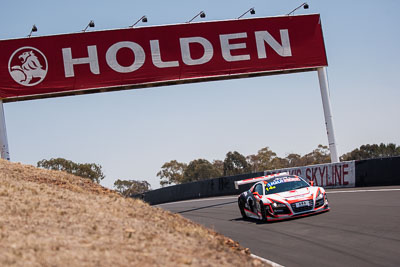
pixel 101 61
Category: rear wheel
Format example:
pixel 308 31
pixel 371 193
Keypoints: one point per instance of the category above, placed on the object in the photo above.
pixel 241 207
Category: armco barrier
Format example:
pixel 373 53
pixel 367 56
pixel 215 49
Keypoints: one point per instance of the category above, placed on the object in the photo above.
pixel 373 172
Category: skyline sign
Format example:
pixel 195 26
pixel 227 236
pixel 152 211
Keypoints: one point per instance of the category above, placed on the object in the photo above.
pixel 110 60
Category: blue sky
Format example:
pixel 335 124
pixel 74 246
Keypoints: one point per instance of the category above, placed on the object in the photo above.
pixel 132 133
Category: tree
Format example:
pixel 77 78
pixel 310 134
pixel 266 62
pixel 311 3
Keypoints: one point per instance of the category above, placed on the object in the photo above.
pixel 219 165
pixel 91 171
pixel 294 160
pixel 200 169
pixel 171 173
pixel 235 163
pixel 372 151
pixel 279 163
pixel 262 160
pixel 131 187
pixel 321 154
pixel 266 159
pixel 318 156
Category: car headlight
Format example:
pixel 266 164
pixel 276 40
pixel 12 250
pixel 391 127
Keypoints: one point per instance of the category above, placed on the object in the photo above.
pixel 320 196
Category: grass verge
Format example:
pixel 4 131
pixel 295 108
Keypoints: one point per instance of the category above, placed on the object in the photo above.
pixel 50 218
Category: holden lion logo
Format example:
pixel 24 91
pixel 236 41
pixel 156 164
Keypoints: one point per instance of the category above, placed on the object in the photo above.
pixel 27 66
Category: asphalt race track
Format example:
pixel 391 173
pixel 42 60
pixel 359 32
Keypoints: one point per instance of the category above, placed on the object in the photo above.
pixel 362 229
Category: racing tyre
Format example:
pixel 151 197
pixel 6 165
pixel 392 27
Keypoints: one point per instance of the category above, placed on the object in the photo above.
pixel 241 207
pixel 263 212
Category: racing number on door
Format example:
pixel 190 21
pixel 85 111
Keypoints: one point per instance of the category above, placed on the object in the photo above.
pixel 267 188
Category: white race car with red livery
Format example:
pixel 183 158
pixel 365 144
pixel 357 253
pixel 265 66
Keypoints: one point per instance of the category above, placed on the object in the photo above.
pixel 280 196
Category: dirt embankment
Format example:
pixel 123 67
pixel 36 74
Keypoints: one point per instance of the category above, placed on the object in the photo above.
pixel 50 218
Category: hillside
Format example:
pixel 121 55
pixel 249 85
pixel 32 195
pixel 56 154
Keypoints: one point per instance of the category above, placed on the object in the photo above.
pixel 50 218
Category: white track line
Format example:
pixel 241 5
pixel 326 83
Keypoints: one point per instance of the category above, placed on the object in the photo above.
pixel 273 264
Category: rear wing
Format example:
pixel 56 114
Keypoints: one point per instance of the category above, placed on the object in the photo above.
pixel 262 178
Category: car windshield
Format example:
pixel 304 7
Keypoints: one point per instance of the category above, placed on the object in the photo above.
pixel 282 184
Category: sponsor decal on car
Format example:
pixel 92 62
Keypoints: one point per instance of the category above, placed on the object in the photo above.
pixel 306 203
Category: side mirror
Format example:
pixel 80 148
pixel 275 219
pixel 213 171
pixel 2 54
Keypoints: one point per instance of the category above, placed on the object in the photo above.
pixel 312 183
pixel 256 194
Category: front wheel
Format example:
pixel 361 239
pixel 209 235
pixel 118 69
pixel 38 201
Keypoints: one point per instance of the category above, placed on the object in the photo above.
pixel 241 207
pixel 263 212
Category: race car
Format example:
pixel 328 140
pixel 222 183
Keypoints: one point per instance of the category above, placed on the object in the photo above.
pixel 280 196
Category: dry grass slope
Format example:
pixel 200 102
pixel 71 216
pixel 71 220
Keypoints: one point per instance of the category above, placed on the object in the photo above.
pixel 50 218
